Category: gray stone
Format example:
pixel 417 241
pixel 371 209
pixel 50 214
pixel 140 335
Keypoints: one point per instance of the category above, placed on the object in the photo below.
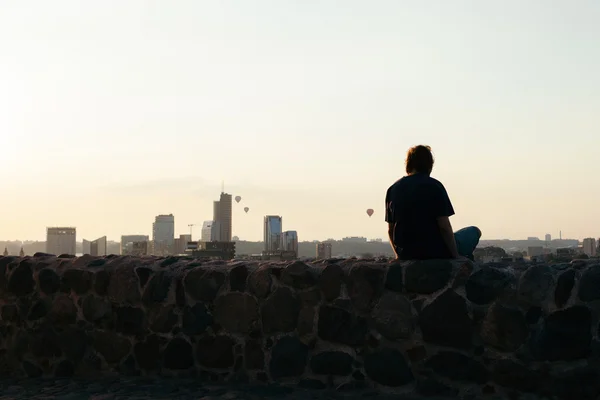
pixel 143 274
pixel 74 343
pixel 394 280
pixel 485 285
pixel 76 280
pixel 288 358
pixel 39 309
pixel 130 320
pixel 306 321
pixel 330 281
pixel 237 278
pixel 339 326
pixel 504 328
pixel 158 288
pixel 32 370
pixel 589 284
pixel 565 335
pixel 196 319
pixel 430 386
pixel 20 279
pixel 427 276
pixel 332 363
pixel 95 308
pixel 388 367
pixel 203 284
pixel 458 367
pixel 63 311
pixel 535 285
pixel 10 313
pixel 280 311
pixel 393 316
pixel 446 321
pixel 254 354
pixel 260 282
pixel 101 282
pixel 299 275
pixel 178 355
pixel 237 312
pixel 111 346
pixel 515 375
pixel 564 287
pixel 162 319
pixel 123 286
pixel 365 285
pixel 215 352
pixel 49 281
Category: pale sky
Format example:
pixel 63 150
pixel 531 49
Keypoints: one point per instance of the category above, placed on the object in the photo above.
pixel 112 112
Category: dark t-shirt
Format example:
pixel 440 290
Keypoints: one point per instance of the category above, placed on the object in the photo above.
pixel 413 204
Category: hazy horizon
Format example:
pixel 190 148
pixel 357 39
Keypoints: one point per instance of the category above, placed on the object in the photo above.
pixel 116 111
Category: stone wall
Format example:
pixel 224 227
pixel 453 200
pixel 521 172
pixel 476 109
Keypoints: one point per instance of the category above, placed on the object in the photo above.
pixel 434 328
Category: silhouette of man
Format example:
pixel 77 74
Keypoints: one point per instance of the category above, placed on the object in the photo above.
pixel 418 211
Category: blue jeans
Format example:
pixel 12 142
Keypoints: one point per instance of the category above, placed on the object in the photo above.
pixel 467 240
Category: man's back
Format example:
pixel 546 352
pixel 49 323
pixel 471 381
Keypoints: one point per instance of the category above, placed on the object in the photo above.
pixel 413 204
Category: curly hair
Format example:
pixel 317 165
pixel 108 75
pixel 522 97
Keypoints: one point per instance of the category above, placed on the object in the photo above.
pixel 419 159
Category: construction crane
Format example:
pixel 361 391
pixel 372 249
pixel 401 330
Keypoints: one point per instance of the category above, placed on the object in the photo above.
pixel 191 226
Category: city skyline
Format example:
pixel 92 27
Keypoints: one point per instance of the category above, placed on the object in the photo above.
pixel 303 109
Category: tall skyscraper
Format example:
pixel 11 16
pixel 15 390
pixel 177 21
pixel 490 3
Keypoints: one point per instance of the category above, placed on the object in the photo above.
pixel 61 241
pixel 211 231
pixel 98 247
pixel 180 243
pixel 289 241
pixel 589 246
pixel 272 233
pixel 86 246
pixel 548 238
pixel 163 234
pixel 222 217
pixel 323 251
pixel 128 240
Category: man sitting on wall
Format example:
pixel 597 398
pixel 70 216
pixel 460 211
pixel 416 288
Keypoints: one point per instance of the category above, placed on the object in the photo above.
pixel 418 211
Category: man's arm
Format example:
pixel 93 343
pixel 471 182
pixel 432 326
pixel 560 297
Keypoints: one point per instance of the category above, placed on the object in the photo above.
pixel 444 211
pixel 391 226
pixel 390 218
pixel 448 235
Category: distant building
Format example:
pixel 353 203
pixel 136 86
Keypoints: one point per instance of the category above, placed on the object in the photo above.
pixel 138 248
pixel 86 246
pixel 5 252
pixel 533 238
pixel 163 234
pixel 548 238
pixel 61 240
pixel 589 247
pixel 534 251
pixel 180 244
pixel 211 231
pixel 355 239
pixel 22 253
pixel 127 239
pixel 220 250
pixel 323 251
pixel 289 241
pixel 272 233
pixel 222 217
pixel 98 247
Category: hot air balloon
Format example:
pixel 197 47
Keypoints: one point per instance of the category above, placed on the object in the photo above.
pixel 238 199
pixel 370 212
pixel 246 209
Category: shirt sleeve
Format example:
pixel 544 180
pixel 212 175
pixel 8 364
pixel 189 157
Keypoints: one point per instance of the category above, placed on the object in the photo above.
pixel 442 204
pixel 389 208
